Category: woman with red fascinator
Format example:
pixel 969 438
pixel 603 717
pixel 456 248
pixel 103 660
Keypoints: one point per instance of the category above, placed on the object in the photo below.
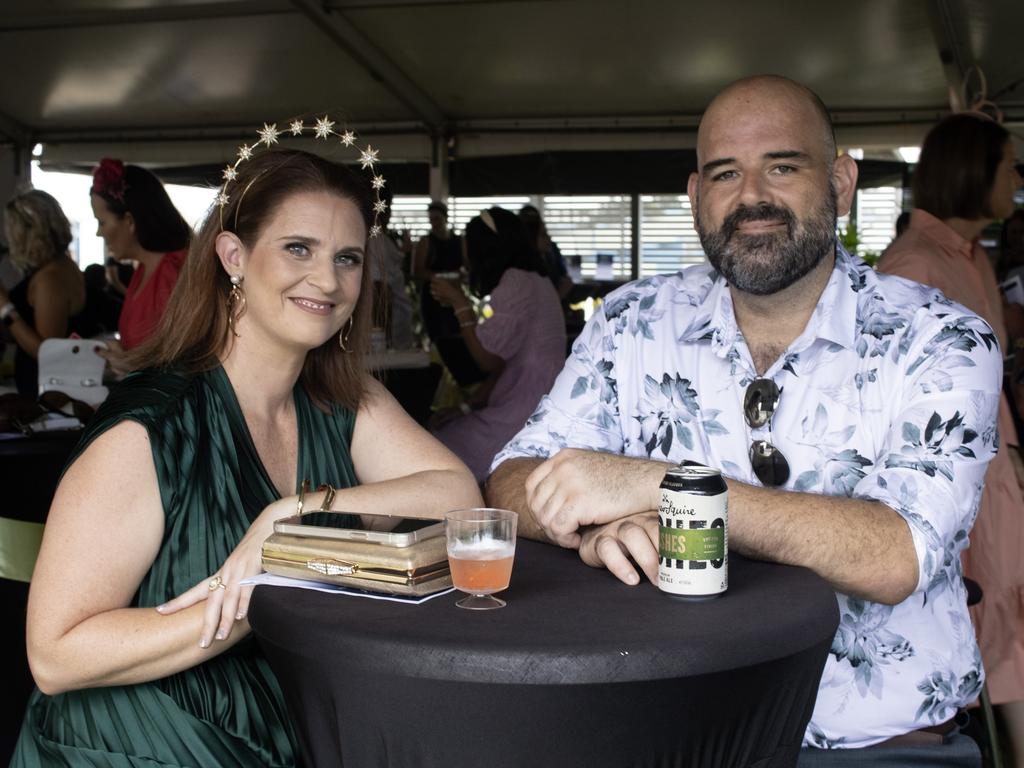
pixel 139 223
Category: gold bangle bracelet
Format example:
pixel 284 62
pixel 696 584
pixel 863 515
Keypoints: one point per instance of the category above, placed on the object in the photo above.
pixel 303 488
pixel 328 497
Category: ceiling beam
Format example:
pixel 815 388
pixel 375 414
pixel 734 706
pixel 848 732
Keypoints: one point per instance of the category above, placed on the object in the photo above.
pixel 352 40
pixel 147 15
pixel 364 5
pixel 949 23
pixel 605 124
pixel 235 133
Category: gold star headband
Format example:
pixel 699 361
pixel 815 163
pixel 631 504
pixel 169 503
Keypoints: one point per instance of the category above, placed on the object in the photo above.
pixel 323 129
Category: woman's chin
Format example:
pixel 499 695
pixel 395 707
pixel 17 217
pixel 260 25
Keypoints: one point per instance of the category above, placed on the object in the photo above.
pixel 315 342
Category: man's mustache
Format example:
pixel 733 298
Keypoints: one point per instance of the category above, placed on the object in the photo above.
pixel 766 212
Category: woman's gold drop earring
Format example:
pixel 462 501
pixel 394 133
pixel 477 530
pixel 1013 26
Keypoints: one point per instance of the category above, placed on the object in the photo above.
pixel 236 302
pixel 343 336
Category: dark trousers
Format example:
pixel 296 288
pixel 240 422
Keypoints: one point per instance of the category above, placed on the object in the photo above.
pixel 955 751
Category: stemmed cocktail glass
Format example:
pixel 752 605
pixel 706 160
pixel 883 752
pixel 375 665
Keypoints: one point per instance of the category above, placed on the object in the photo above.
pixel 481 547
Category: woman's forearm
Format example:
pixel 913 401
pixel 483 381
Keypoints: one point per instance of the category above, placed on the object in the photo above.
pixel 122 647
pixel 422 494
pixel 466 315
pixel 25 336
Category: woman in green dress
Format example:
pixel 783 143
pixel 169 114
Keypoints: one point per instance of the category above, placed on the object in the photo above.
pixel 137 635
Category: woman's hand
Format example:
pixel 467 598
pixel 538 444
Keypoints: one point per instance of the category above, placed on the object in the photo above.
pixel 227 601
pixel 448 294
pixel 115 356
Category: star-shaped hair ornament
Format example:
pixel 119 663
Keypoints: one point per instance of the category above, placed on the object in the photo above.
pixel 367 157
pixel 322 129
pixel 269 134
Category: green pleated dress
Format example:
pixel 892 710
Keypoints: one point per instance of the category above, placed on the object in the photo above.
pixel 230 710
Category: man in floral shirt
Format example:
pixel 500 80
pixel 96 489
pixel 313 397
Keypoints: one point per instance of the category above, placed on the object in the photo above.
pixel 878 446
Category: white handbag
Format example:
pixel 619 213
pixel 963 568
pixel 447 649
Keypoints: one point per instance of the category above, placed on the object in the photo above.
pixel 73 367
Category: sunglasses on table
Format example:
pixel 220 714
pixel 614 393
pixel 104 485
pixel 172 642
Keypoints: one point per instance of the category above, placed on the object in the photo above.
pixel 56 401
pixel 759 405
pixel 18 412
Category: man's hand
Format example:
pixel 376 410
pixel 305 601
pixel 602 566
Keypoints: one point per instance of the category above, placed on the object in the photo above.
pixel 612 545
pixel 576 488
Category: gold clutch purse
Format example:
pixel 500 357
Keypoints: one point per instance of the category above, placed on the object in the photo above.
pixel 419 569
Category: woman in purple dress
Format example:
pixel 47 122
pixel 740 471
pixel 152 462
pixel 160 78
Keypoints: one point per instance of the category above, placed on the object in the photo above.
pixel 522 339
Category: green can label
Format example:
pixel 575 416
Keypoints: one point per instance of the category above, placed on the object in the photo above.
pixel 682 544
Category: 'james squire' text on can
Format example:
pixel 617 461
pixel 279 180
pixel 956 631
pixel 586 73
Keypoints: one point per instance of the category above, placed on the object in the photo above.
pixel 694 532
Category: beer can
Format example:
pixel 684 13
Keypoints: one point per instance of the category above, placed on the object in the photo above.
pixel 693 546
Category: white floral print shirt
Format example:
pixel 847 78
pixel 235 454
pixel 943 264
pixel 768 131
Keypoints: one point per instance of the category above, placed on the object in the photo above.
pixel 890 394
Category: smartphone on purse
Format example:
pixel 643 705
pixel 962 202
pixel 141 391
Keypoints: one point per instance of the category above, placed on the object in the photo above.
pixel 403 531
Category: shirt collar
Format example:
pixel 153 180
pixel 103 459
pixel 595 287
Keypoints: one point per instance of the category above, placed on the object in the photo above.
pixel 713 318
pixel 834 317
pixel 939 232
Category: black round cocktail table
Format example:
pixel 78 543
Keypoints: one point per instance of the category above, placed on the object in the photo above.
pixel 578 670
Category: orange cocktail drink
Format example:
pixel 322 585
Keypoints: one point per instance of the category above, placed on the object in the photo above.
pixel 481 549
pixel 482 570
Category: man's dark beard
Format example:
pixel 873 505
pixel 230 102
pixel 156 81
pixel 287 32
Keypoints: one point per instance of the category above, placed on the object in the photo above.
pixel 765 264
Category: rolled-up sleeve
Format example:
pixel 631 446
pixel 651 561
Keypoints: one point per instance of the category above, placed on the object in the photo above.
pixel 942 437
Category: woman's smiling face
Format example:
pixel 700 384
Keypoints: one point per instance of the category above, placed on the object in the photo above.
pixel 302 277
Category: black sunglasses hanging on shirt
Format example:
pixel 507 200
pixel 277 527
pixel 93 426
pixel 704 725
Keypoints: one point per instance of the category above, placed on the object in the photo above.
pixel 759 405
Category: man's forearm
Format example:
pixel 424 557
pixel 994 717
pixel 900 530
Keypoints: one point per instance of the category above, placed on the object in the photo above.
pixel 863 548
pixel 506 489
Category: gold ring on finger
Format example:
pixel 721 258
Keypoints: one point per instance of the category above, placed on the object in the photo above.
pixel 216 583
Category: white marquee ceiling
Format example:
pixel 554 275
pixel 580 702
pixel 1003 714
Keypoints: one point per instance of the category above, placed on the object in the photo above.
pixel 180 80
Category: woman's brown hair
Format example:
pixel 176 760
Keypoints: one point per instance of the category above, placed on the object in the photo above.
pixel 957 167
pixel 194 330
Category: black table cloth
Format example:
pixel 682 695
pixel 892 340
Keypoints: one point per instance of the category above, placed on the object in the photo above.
pixel 578 670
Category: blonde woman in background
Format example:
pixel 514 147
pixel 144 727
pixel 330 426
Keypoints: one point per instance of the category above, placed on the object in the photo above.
pixel 50 300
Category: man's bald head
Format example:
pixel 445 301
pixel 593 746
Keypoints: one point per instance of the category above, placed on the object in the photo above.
pixel 765 94
pixel 769 185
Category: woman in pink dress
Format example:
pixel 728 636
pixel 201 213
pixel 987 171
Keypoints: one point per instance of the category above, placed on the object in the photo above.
pixel 139 223
pixel 965 180
pixel 522 341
